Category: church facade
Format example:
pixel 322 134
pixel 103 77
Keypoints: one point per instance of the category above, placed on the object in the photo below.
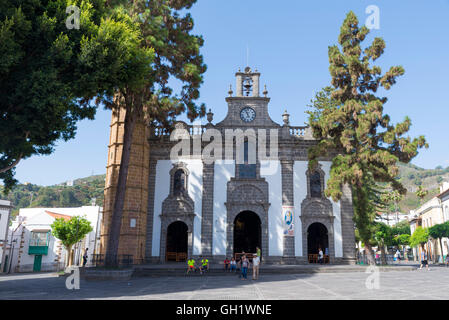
pixel 217 190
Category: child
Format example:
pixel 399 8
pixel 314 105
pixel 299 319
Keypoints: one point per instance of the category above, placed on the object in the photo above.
pixel 233 265
pixel 226 264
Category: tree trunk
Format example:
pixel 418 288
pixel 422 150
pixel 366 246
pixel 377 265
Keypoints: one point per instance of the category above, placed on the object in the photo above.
pixel 441 250
pixel 116 219
pixel 69 258
pixel 369 254
pixel 383 254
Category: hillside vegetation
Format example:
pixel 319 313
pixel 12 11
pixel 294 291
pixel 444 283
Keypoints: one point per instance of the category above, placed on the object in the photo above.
pixel 84 190
pixel 80 194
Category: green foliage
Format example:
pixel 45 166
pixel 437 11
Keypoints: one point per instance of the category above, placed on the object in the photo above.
pixel 421 193
pixel 402 239
pixel 400 228
pixel 71 231
pixel 419 237
pixel 383 234
pixel 348 118
pixel 49 74
pixel 81 194
pixel 439 231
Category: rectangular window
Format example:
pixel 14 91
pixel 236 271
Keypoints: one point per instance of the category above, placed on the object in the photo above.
pixel 39 239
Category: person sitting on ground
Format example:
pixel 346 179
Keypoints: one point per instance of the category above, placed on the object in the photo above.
pixel 233 264
pixel 320 255
pixel 204 265
pixel 226 264
pixel 190 265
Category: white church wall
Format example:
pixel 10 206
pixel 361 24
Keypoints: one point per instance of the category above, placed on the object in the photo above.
pixel 271 171
pixel 195 189
pixel 223 173
pixel 162 190
pixel 338 239
pixel 299 194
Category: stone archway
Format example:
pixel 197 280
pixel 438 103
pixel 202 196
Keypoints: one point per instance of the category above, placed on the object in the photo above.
pixel 166 221
pixel 317 237
pixel 247 232
pixel 177 241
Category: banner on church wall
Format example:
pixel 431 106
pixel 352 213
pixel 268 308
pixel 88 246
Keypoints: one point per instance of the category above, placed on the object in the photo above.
pixel 289 225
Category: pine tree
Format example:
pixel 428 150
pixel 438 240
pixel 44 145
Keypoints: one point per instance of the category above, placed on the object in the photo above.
pixel 168 32
pixel 348 119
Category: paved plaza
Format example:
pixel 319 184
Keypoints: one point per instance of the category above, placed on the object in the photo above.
pixel 397 285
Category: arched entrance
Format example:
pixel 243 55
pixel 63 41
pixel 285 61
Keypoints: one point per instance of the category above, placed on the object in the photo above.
pixel 317 237
pixel 177 242
pixel 247 232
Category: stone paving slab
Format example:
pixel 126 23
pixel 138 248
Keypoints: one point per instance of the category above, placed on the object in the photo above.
pixel 418 284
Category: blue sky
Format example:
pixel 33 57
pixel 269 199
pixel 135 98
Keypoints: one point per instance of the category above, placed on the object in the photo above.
pixel 288 42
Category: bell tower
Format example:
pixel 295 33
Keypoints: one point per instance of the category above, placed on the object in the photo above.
pixel 247 108
pixel 247 83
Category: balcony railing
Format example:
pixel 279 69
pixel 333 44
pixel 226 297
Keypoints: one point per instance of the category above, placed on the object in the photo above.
pixel 297 131
pixel 38 242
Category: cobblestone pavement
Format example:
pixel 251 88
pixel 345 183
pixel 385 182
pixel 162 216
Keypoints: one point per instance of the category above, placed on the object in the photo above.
pixel 419 284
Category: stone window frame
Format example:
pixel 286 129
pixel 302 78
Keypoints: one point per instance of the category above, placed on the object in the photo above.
pixel 237 165
pixel 322 182
pixel 176 167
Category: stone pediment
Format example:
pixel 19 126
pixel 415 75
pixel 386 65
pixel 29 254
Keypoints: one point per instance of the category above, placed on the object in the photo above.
pixel 316 207
pixel 178 205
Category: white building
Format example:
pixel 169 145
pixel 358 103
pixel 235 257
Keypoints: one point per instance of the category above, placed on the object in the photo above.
pixel 5 211
pixel 35 249
pixel 444 199
pixel 391 219
pixel 435 211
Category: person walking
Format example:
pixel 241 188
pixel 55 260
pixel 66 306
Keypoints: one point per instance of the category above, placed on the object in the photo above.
pixel 85 256
pixel 256 263
pixel 447 260
pixel 424 260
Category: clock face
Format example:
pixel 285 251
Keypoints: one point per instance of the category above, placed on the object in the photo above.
pixel 247 114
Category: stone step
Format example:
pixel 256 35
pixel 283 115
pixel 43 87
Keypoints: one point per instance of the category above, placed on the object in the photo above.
pixel 157 271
